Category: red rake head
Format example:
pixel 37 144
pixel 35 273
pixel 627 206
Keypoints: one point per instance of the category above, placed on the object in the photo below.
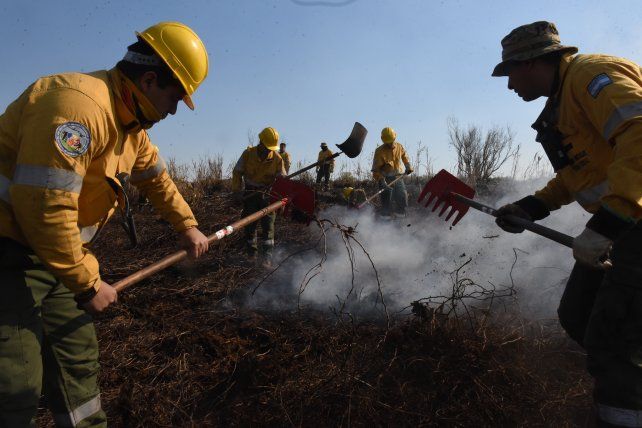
pixel 441 188
pixel 301 198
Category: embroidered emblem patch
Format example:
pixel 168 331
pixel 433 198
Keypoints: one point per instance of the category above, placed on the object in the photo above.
pixel 598 83
pixel 73 138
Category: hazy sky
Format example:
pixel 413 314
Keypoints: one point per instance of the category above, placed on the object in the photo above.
pixel 312 68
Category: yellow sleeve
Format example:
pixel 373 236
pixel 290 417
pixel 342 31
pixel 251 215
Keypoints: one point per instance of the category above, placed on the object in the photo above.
pixel 404 157
pixel 150 176
pixel 610 93
pixel 555 193
pixel 238 172
pixel 61 131
pixel 377 163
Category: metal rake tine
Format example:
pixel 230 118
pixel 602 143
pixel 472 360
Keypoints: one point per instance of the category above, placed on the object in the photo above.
pixel 440 200
pixel 445 207
pixel 459 217
pixel 430 199
pixel 450 214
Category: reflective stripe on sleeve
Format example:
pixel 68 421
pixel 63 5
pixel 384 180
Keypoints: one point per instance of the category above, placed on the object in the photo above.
pixel 77 415
pixel 619 417
pixel 49 178
pixel 620 115
pixel 593 194
pixel 87 233
pixel 4 188
pixel 151 172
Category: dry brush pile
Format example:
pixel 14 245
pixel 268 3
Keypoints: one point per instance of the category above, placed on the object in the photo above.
pixel 182 349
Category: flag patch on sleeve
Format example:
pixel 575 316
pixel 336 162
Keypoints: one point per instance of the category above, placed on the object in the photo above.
pixel 598 83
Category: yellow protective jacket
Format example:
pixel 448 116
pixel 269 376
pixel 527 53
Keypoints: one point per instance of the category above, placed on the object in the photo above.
pixel 61 143
pixel 600 117
pixel 255 172
pixel 323 156
pixel 388 160
pixel 286 161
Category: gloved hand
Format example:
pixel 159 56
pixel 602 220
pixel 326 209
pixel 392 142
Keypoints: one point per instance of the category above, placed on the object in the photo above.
pixel 408 171
pixel 383 184
pixel 592 249
pixel 511 209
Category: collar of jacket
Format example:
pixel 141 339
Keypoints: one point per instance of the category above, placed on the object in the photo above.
pixel 565 63
pixel 134 110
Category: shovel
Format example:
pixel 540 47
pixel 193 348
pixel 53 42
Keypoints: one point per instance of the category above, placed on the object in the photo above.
pixel 352 147
pixel 363 204
pixel 449 192
pixel 297 198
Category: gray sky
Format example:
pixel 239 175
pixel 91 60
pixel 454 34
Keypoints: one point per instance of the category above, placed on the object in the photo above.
pixel 312 71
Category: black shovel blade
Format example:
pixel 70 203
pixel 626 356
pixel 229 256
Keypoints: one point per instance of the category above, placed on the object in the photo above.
pixel 354 144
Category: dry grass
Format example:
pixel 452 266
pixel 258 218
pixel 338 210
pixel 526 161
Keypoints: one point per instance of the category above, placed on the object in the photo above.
pixel 181 349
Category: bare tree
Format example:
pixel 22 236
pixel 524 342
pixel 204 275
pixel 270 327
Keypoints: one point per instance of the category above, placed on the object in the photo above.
pixel 538 168
pixel 480 156
pixel 251 137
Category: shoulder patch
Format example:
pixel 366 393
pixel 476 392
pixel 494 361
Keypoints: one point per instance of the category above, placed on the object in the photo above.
pixel 73 139
pixel 598 83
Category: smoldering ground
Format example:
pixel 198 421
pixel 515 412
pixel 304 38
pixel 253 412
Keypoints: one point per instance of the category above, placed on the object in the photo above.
pixel 361 265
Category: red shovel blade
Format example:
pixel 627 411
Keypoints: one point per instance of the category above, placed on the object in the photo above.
pixel 301 197
pixel 441 188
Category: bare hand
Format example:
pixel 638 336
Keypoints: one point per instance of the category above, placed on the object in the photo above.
pixel 514 210
pixel 105 297
pixel 194 242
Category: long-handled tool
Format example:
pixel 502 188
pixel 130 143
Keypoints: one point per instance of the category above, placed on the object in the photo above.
pixel 352 147
pixel 379 192
pixel 448 191
pixel 285 193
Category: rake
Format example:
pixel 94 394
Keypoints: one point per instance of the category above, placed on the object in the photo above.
pixel 447 191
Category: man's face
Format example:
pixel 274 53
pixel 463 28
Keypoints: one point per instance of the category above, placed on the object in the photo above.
pixel 521 79
pixel 282 147
pixel 166 99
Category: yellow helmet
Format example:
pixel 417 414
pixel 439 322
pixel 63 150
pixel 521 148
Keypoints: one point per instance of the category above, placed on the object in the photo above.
pixel 270 138
pixel 388 135
pixel 347 191
pixel 183 52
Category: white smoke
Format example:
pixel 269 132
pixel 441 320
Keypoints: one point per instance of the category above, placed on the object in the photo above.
pixel 414 257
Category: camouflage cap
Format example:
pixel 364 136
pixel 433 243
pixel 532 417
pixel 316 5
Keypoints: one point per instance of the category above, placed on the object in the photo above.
pixel 528 42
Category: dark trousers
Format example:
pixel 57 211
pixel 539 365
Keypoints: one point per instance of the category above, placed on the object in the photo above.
pixel 397 194
pixel 323 173
pixel 254 202
pixel 602 311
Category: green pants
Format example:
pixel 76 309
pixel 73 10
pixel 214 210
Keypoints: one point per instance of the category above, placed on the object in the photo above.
pixel 397 194
pixel 603 312
pixel 254 202
pixel 47 343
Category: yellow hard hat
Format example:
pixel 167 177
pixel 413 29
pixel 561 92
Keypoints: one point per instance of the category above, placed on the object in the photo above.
pixel 388 135
pixel 270 138
pixel 183 52
pixel 347 191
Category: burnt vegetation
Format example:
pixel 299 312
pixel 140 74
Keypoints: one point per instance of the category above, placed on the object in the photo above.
pixel 183 348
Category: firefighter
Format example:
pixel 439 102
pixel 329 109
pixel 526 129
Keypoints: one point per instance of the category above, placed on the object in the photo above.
pixel 326 166
pixel 256 170
pixel 286 157
pixel 65 145
pixel 353 197
pixel 591 130
pixel 386 166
